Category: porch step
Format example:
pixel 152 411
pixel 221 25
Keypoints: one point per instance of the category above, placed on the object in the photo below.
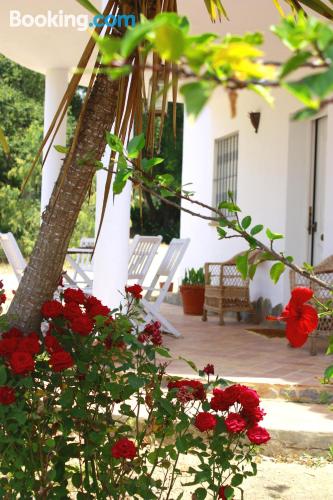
pixel 297 428
pixel 316 393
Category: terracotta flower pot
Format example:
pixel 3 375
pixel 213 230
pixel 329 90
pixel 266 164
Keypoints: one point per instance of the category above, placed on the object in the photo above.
pixel 170 289
pixel 193 299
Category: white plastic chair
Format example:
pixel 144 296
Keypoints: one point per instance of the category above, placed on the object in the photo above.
pixel 16 259
pixel 141 255
pixel 167 269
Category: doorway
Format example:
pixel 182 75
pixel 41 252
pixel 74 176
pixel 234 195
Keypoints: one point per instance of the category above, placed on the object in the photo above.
pixel 317 191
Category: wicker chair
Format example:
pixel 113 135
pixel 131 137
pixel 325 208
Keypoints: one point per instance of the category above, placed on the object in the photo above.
pixel 225 290
pixel 324 271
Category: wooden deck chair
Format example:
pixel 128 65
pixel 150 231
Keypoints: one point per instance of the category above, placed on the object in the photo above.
pixel 167 269
pixel 141 255
pixel 16 259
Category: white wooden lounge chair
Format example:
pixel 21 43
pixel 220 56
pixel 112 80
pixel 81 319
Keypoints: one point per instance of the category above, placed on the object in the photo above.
pixel 167 269
pixel 141 255
pixel 82 264
pixel 16 259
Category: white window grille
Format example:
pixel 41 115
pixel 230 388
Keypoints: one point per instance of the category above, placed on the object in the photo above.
pixel 225 170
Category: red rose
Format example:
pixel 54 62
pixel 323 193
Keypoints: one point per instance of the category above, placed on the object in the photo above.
pixel 74 295
pixel 301 318
pixel 223 399
pixel 8 346
pixel 7 395
pixel 52 309
pixel 21 363
pixel 209 369
pixel 258 435
pixel 248 398
pixel 51 344
pixel 82 325
pixel 12 333
pixel 235 423
pixel 253 415
pixel 30 344
pixel 94 307
pixel 72 310
pixel 3 298
pixel 194 388
pixel 61 360
pixel 151 333
pixel 205 421
pixel 135 290
pixel 124 448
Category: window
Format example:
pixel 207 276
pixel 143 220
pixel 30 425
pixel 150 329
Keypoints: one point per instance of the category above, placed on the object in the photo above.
pixel 225 171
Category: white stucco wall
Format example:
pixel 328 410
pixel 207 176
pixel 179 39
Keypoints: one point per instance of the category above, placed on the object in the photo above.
pixel 273 182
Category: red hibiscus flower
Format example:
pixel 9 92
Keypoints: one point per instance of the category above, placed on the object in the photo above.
pixel 124 448
pixel 135 291
pixel 301 318
pixel 7 395
pixel 258 435
pixel 74 295
pixel 52 344
pixel 52 309
pixel 21 363
pixel 205 421
pixel 235 423
pixel 195 388
pixel 209 369
pixel 82 325
pixel 72 310
pixel 60 361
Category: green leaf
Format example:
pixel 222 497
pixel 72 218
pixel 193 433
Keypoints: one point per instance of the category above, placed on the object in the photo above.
pixel 3 375
pixel 273 236
pixel 304 114
pixel 242 264
pixel 221 232
pixel 246 222
pixel 252 270
pixel 237 479
pixel 294 63
pixel 169 41
pixel 4 142
pixel 61 149
pixel 257 229
pixel 136 145
pixel 215 9
pixel 190 363
pixel 148 164
pixel 135 382
pixel 114 142
pixel 134 36
pixel 229 205
pixel 276 270
pixel 89 6
pixel 200 493
pixel 328 372
pixel 162 351
pixel 196 96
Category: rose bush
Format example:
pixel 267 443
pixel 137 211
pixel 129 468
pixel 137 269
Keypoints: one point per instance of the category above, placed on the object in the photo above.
pixel 87 411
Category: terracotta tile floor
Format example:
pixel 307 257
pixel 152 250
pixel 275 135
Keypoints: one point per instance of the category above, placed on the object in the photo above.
pixel 240 354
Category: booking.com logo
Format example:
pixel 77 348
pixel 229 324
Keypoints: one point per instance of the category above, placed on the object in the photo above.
pixel 62 20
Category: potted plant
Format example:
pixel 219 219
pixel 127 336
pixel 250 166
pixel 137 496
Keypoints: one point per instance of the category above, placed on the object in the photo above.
pixel 193 291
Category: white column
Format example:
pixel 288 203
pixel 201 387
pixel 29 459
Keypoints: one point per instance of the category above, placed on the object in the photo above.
pixel 111 254
pixel 56 82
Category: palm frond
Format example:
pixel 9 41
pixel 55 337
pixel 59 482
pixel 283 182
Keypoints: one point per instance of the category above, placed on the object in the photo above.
pixel 320 7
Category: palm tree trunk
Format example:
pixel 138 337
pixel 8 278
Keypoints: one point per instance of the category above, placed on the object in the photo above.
pixel 46 262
